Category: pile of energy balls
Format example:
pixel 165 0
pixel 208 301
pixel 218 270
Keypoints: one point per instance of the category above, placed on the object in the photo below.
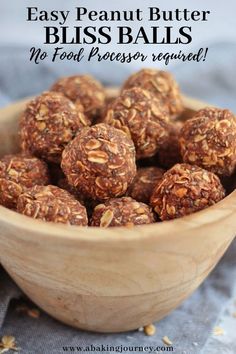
pixel 88 159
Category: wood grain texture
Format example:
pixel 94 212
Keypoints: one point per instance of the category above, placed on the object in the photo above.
pixel 116 279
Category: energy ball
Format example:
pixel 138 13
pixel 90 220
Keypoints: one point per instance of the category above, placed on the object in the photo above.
pixel 17 173
pixel 50 203
pixel 162 85
pixel 108 102
pixel 122 212
pixel 100 162
pixel 48 124
pixel 141 116
pixel 88 203
pixel 169 153
pixel 144 183
pixel 185 189
pixel 209 140
pixel 84 91
pixel 64 184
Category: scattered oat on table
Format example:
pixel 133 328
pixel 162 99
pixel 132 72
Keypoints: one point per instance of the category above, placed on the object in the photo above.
pixel 218 331
pixel 149 330
pixel 140 329
pixel 8 343
pixel 166 340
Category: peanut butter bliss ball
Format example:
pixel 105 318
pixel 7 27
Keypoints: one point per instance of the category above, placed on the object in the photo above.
pixel 84 91
pixel 122 212
pixel 88 203
pixel 209 140
pixel 141 116
pixel 161 84
pixel 17 173
pixel 64 184
pixel 100 162
pixel 185 189
pixel 169 153
pixel 50 203
pixel 144 182
pixel 48 124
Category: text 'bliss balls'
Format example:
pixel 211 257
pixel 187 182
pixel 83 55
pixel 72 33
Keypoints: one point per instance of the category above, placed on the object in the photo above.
pixel 185 189
pixel 84 91
pixel 209 140
pixel 17 173
pixel 144 183
pixel 162 85
pixel 50 203
pixel 48 124
pixel 142 116
pixel 100 162
pixel 122 212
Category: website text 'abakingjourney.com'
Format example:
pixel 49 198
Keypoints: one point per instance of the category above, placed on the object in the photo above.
pixel 93 348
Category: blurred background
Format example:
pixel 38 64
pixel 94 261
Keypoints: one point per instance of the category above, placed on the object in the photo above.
pixel 212 80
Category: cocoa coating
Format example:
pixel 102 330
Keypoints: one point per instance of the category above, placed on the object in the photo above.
pixel 143 117
pixel 100 162
pixel 162 85
pixel 169 153
pixel 144 183
pixel 209 140
pixel 122 212
pixel 84 91
pixel 50 203
pixel 48 124
pixel 185 189
pixel 17 173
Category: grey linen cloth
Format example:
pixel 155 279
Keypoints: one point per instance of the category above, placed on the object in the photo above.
pixel 190 326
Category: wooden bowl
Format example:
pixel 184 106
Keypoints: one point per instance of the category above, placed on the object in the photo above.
pixel 117 279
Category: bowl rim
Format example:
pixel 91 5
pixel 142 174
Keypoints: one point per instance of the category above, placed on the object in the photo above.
pixel 58 231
